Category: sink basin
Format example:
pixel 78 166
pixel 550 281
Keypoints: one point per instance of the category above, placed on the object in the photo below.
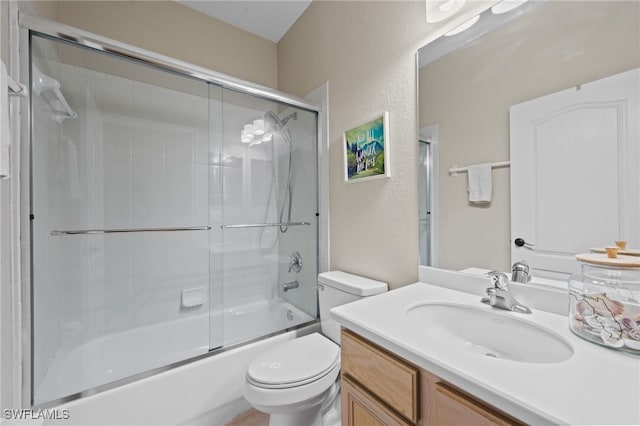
pixel 490 334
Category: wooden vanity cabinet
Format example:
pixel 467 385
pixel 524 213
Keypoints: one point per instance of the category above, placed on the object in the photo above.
pixel 379 388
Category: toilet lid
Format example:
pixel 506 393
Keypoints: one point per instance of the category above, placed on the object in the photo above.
pixel 294 362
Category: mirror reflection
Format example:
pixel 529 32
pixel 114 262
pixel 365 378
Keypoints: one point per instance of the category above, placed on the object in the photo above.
pixel 529 130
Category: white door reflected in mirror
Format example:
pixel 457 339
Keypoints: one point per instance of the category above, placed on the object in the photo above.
pixel 574 173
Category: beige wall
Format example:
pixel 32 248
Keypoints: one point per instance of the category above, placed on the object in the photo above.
pixel 366 50
pixel 468 94
pixel 174 30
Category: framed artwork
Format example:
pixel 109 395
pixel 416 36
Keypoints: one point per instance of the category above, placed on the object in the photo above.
pixel 366 150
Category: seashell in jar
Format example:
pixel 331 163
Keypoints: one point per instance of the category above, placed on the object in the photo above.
pixel 615 330
pixel 604 306
pixel 632 327
pixel 593 322
pixel 611 323
pixel 611 339
pixel 583 308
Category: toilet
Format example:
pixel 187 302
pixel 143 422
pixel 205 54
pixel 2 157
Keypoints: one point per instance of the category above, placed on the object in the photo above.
pixel 297 380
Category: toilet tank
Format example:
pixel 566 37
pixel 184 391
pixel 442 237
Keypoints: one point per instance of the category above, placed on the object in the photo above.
pixel 337 288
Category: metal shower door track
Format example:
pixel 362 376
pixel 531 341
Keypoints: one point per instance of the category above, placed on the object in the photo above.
pixel 95 41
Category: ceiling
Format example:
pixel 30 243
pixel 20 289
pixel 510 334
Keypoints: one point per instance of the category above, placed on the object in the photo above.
pixel 265 18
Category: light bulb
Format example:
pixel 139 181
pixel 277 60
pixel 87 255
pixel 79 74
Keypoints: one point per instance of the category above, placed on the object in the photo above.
pixel 244 138
pixel 258 127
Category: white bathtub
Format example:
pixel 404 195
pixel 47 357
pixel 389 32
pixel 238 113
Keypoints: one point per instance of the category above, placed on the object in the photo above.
pixel 207 391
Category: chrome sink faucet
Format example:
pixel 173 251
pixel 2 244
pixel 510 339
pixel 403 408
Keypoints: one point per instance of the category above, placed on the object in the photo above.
pixel 520 272
pixel 499 295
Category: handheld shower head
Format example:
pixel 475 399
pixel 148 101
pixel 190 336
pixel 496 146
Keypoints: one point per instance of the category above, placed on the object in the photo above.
pixel 276 122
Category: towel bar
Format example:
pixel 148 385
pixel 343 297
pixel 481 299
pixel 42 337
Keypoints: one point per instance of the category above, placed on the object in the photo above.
pixel 454 170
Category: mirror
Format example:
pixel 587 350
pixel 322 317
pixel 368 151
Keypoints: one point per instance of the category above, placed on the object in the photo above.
pixel 467 84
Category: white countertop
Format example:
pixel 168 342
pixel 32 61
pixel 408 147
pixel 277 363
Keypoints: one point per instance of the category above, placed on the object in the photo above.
pixel 595 386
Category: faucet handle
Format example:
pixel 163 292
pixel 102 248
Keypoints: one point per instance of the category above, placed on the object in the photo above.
pixel 498 279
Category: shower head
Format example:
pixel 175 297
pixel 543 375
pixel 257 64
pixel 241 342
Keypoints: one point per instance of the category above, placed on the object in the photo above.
pixel 276 122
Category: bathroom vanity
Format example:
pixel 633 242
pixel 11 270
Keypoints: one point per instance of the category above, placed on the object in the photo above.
pixel 428 355
pixel 379 388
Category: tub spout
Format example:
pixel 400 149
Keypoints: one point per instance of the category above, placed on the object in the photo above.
pixel 289 286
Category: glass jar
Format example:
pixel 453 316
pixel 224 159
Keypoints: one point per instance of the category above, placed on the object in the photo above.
pixel 604 306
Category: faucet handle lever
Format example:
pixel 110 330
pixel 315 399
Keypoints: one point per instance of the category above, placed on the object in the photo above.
pixel 498 279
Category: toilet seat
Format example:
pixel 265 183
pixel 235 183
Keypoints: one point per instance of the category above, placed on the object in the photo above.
pixel 294 363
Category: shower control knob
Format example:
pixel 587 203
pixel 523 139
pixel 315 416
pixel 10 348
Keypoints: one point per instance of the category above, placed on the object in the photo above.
pixel 295 262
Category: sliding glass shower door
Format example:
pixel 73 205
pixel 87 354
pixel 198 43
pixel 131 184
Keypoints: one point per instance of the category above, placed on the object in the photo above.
pixel 169 217
pixel 269 171
pixel 121 225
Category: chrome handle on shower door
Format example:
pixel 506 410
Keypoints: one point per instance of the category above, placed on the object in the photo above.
pixel 124 230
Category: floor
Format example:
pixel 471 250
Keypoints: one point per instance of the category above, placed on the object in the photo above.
pixel 250 418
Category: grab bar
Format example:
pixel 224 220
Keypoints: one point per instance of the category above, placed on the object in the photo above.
pixel 264 225
pixel 118 231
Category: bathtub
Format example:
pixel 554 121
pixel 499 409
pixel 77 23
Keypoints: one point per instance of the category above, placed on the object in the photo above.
pixel 206 391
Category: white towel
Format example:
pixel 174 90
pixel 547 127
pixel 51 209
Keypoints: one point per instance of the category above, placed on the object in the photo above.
pixel 5 130
pixel 480 187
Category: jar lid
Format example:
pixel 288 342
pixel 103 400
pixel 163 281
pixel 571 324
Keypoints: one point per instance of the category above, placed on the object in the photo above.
pixel 602 259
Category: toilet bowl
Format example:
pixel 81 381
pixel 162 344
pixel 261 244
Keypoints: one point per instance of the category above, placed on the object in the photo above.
pixel 296 381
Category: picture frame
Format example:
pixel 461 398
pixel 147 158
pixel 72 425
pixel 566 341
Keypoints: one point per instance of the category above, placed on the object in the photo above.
pixel 366 150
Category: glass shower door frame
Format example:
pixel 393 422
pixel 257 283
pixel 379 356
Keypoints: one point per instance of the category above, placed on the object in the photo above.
pixel 58 31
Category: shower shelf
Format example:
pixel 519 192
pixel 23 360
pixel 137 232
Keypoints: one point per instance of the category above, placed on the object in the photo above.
pixel 264 225
pixel 119 231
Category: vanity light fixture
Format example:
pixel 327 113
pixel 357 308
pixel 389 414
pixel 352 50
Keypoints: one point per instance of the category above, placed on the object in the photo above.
pixel 255 133
pixel 506 6
pixel 460 28
pixel 439 10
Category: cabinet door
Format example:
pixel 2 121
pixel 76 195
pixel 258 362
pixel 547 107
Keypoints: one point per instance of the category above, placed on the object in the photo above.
pixel 453 409
pixel 361 409
pixel 390 379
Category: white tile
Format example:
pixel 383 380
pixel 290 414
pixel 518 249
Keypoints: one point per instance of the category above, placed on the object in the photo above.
pixel 201 195
pixel 179 145
pixel 149 272
pixel 118 209
pixel 148 142
pixel 148 210
pixel 118 280
pixel 179 189
pixel 114 95
pixel 148 175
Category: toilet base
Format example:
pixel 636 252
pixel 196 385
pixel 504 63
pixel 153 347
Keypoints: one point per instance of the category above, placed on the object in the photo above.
pixel 327 413
pixel 311 417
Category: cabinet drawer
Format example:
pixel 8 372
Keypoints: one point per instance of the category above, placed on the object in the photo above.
pixel 361 409
pixel 453 408
pixel 391 380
